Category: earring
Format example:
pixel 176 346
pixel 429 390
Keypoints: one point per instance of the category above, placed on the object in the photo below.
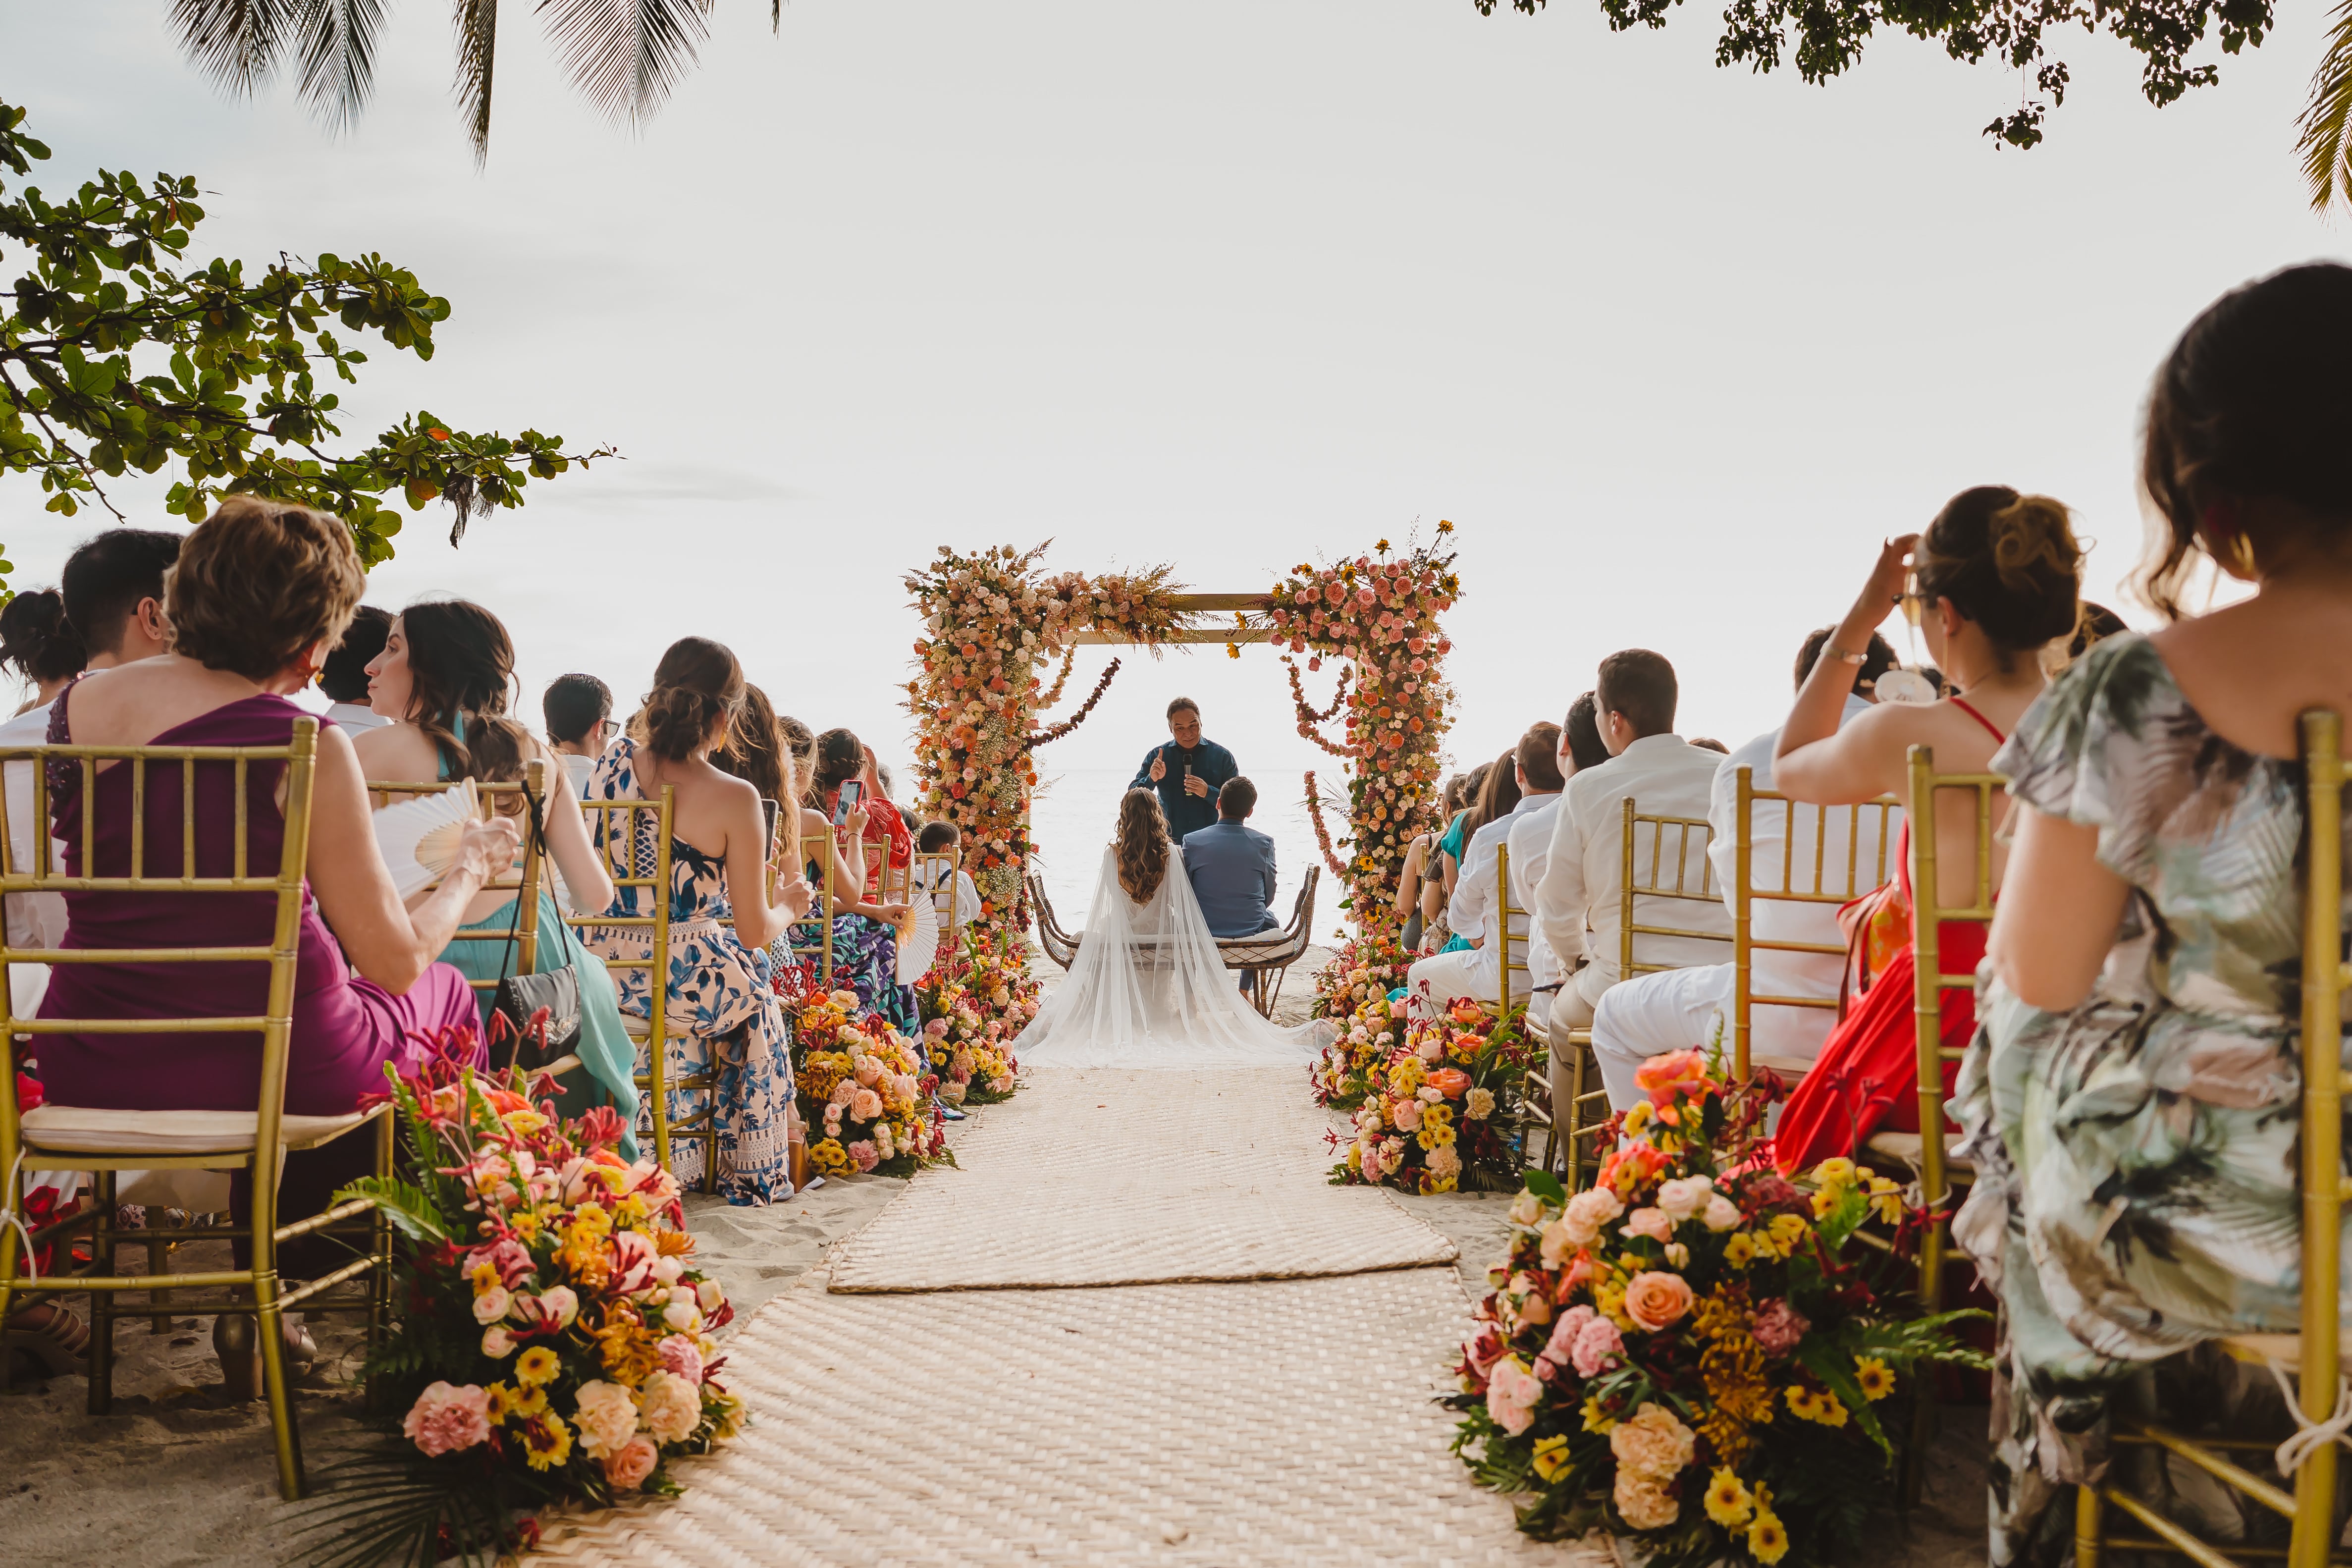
pixel 2241 555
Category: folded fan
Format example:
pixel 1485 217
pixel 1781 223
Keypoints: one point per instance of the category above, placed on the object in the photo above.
pixel 419 836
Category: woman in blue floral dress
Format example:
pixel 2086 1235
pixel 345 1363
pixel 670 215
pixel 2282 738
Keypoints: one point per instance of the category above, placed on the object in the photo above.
pixel 721 1009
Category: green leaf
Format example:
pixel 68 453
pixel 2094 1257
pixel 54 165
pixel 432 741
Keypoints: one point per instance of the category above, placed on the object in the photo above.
pixel 1834 1366
pixel 1547 1186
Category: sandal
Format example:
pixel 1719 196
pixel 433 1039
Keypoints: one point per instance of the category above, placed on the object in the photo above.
pixel 59 1345
pixel 238 1348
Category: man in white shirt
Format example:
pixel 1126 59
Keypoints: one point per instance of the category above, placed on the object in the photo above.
pixel 1678 1009
pixel 579 713
pixel 344 679
pixel 1579 903
pixel 1530 845
pixel 1476 971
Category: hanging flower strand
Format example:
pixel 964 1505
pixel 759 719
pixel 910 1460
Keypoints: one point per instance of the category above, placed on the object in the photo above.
pixel 1043 736
pixel 1069 660
pixel 1322 834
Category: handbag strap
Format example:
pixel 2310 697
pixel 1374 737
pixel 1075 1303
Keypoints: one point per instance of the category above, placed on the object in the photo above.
pixel 536 832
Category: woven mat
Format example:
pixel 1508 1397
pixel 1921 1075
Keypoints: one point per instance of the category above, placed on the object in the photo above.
pixel 1100 1176
pixel 1279 1423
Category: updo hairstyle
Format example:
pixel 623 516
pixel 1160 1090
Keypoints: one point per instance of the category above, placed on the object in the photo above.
pixel 840 757
pixel 698 684
pixel 1143 847
pixel 2007 561
pixel 36 641
pixel 2252 403
pixel 257 582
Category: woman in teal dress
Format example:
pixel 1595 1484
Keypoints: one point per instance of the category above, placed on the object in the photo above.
pixel 443 678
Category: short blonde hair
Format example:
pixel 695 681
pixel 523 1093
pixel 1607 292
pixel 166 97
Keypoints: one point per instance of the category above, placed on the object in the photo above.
pixel 257 582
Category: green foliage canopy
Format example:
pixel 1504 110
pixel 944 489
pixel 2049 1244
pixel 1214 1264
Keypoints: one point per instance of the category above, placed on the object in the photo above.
pixel 226 388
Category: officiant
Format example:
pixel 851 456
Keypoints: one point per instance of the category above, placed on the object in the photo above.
pixel 1187 771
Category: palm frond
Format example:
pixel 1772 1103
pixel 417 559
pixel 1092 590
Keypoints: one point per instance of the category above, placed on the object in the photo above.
pixel 338 57
pixel 235 42
pixel 2325 130
pixel 627 55
pixel 476 25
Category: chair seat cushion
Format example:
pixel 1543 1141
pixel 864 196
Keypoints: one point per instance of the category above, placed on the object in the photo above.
pixel 85 1130
pixel 2284 1348
pixel 1905 1147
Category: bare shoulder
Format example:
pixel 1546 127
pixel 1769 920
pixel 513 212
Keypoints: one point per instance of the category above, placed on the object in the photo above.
pixel 2248 669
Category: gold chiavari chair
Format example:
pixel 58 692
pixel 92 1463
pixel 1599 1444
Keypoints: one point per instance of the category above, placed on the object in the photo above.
pixel 104 1143
pixel 2315 1353
pixel 1797 883
pixel 1535 1086
pixel 816 949
pixel 1644 877
pixel 633 834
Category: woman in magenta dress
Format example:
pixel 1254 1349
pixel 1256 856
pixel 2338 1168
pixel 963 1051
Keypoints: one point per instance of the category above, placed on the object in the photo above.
pixel 260 595
pixel 1999 576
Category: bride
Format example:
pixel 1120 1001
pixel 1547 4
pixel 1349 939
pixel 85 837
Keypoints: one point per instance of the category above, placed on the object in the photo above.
pixel 1149 987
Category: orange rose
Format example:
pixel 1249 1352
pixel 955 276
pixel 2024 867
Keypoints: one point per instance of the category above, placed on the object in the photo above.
pixel 1451 1082
pixel 1656 1299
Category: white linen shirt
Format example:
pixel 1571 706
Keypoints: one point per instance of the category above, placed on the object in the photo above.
pixel 1584 883
pixel 1474 889
pixel 1792 1031
pixel 1531 842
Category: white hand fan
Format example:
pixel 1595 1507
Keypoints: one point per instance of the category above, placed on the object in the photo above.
pixel 419 836
pixel 918 940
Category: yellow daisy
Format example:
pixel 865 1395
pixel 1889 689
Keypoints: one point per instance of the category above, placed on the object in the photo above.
pixel 1594 1420
pixel 1768 1543
pixel 1728 1502
pixel 1876 1381
pixel 537 1365
pixel 546 1441
pixel 1550 1457
pixel 1740 1250
pixel 500 1403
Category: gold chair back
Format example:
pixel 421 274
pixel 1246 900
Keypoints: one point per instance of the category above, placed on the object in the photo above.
pixel 936 872
pixel 1802 879
pixel 524 881
pixel 1650 875
pixel 817 948
pixel 1534 1087
pixel 104 1143
pixel 634 835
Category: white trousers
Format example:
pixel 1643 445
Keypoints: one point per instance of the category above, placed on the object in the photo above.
pixel 1432 982
pixel 1650 1014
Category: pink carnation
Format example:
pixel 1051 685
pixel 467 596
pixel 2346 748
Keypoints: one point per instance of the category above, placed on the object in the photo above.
pixel 1778 1327
pixel 1512 1393
pixel 1562 1343
pixel 862 1154
pixel 1598 1343
pixel 446 1419
pixel 682 1357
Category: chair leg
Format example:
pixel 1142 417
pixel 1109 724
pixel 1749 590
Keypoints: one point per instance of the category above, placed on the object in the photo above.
pixel 379 1319
pixel 268 1320
pixel 101 1302
pixel 159 1263
pixel 1574 1153
pixel 2090 1526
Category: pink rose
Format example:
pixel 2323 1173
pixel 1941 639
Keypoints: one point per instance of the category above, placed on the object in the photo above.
pixel 682 1357
pixel 1721 1214
pixel 446 1419
pixel 1651 1223
pixel 1685 1196
pixel 843 1093
pixel 1598 1343
pixel 627 1470
pixel 937 1028
pixel 862 1154
pixel 866 1106
pixel 1778 1327
pixel 1588 1211
pixel 868 1072
pixel 1656 1299
pixel 1512 1393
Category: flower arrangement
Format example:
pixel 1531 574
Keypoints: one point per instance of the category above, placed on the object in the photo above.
pixel 973 1005
pixel 1352 993
pixel 1642 1334
pixel 864 1090
pixel 551 1334
pixel 1443 1111
pixel 1381 614
pixel 988 621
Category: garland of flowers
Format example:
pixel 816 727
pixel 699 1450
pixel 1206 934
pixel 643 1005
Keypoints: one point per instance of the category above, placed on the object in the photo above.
pixel 1045 737
pixel 1061 678
pixel 1308 717
pixel 1381 614
pixel 1354 992
pixel 1642 1333
pixel 1331 860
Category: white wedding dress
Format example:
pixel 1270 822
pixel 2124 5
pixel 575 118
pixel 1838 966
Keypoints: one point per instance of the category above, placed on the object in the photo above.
pixel 1148 989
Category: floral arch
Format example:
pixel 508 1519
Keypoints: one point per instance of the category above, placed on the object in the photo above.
pixel 994 622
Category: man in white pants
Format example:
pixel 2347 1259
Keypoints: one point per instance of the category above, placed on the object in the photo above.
pixel 1530 843
pixel 1476 971
pixel 1681 1009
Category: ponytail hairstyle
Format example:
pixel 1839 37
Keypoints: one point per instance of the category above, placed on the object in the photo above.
pixel 840 757
pixel 1499 795
pixel 2251 406
pixel 461 672
pixel 697 685
pixel 2007 561
pixel 36 641
pixel 1143 846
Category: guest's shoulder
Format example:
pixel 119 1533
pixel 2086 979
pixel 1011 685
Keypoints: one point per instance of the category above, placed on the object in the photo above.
pixel 1263 840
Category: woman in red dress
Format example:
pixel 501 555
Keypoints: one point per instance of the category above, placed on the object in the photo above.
pixel 1998 576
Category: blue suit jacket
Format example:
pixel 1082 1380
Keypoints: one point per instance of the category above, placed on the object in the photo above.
pixel 1232 871
pixel 1187 814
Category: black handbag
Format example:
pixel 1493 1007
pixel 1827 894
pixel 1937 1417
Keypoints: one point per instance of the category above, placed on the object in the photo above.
pixel 520 998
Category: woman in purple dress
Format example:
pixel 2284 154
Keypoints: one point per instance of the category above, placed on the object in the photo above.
pixel 259 596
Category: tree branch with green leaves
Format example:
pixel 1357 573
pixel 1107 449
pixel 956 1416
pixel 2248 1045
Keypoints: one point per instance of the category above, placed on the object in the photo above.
pixel 112 359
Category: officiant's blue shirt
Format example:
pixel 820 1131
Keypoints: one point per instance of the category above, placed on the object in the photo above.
pixel 1187 813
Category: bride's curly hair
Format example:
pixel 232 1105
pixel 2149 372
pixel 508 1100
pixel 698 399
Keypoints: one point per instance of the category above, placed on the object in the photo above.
pixel 1143 844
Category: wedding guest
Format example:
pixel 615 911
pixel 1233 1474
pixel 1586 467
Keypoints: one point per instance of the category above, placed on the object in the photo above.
pixel 440 683
pixel 719 1007
pixel 1679 1009
pixel 1530 843
pixel 1709 744
pixel 1421 883
pixel 579 713
pixel 1998 574
pixel 2131 1100
pixel 259 594
pixel 1579 902
pixel 113 591
pixel 1532 768
pixel 1186 772
pixel 39 646
pixel 1457 837
pixel 345 679
pixel 865 931
pixel 939 838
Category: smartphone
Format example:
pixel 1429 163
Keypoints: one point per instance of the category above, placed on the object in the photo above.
pixel 850 790
pixel 767 813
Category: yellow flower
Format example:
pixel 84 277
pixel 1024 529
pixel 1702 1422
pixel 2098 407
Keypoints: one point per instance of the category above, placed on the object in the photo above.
pixel 1836 1172
pixel 1729 1502
pixel 485 1277
pixel 1787 1230
pixel 500 1403
pixel 1637 1118
pixel 546 1441
pixel 1876 1382
pixel 523 1123
pixel 1768 1543
pixel 1886 1197
pixel 1551 1457
pixel 1740 1250
pixel 537 1365
pixel 526 1225
pixel 630 1212
pixel 1824 1201
pixel 1594 1421
pixel 590 1220
pixel 530 1401
pixel 1807 1405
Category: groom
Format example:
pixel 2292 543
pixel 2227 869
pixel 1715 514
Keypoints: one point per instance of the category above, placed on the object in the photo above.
pixel 1187 771
pixel 1231 867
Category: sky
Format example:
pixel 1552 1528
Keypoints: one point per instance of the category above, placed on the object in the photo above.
pixel 1228 286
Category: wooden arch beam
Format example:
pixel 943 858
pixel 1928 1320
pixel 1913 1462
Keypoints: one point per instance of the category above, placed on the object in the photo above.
pixel 1202 604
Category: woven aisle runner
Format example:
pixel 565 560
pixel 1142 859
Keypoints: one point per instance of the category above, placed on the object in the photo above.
pixel 1285 1423
pixel 1094 1176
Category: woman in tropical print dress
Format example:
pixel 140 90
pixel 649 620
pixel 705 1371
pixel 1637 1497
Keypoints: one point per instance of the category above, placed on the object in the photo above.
pixel 865 933
pixel 720 1008
pixel 2132 1102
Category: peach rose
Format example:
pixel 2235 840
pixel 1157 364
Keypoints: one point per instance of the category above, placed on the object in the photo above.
pixel 1651 1223
pixel 627 1469
pixel 1653 1445
pixel 1685 1196
pixel 1656 1299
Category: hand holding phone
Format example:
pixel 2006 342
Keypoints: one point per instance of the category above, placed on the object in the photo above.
pixel 851 790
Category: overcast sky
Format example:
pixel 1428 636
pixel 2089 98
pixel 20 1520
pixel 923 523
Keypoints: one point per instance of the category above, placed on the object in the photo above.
pixel 1229 286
